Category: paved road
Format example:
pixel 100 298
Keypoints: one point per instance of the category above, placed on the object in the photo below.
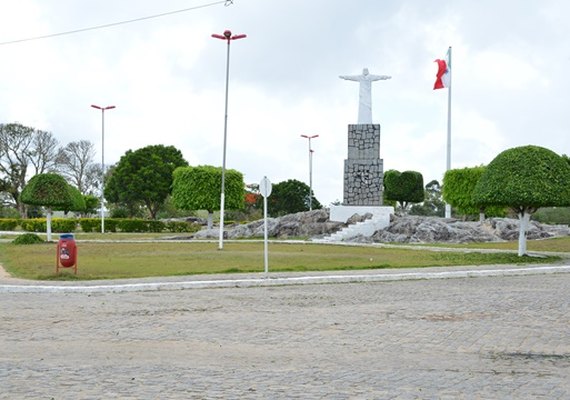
pixel 467 338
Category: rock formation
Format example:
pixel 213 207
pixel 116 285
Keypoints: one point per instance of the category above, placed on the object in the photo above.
pixel 406 229
pixel 416 229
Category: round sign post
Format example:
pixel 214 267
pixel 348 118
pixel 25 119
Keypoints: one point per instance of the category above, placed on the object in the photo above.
pixel 265 190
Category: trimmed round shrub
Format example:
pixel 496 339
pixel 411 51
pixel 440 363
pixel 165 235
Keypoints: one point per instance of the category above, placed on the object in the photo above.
pixel 28 238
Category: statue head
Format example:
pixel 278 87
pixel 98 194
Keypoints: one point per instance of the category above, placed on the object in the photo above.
pixel 365 71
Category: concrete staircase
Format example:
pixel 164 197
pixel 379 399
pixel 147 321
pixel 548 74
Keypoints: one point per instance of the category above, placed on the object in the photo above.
pixel 365 228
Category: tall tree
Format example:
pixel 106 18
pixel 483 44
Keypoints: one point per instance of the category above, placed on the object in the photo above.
pixel 76 164
pixel 15 147
pixel 43 152
pixel 404 187
pixel 524 179
pixel 23 148
pixel 288 197
pixel 144 175
pixel 199 188
pixel 433 205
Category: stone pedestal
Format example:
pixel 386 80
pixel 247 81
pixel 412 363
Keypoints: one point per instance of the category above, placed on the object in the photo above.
pixel 363 169
pixel 363 177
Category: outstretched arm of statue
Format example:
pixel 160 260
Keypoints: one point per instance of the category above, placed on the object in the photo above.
pixel 350 77
pixel 379 77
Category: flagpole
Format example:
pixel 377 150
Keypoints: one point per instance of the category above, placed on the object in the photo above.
pixel 448 166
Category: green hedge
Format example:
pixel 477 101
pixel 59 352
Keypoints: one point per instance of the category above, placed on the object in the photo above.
pixel 94 225
pixel 140 225
pixel 155 226
pixel 64 225
pixel 111 225
pixel 90 224
pixel 8 224
pixel 136 225
pixel 59 225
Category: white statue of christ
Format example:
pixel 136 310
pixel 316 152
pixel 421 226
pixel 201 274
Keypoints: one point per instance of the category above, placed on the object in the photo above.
pixel 365 94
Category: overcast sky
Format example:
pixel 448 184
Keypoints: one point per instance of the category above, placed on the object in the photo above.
pixel 166 76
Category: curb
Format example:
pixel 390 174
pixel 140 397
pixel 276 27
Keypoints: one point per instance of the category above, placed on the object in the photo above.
pixel 267 281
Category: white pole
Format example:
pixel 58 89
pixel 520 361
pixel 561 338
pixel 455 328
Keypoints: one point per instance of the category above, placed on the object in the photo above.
pixel 222 196
pixel 310 177
pixel 265 247
pixel 310 169
pixel 103 170
pixel 265 190
pixel 102 197
pixel 448 164
pixel 48 223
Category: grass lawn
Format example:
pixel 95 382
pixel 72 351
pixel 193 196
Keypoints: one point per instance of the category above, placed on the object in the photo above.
pixel 561 244
pixel 132 260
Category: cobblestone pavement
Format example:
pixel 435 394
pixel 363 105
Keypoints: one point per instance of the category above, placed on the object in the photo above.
pixel 467 338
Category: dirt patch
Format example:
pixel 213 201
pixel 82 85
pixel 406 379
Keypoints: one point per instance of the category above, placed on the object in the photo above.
pixel 3 274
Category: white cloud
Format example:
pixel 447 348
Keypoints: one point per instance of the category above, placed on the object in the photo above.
pixel 20 20
pixel 166 77
pixel 501 70
pixel 476 140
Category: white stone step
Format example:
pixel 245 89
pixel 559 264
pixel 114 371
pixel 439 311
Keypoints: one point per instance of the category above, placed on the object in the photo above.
pixel 365 228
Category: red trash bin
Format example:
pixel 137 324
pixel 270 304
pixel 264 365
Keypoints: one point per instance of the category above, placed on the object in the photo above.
pixel 66 252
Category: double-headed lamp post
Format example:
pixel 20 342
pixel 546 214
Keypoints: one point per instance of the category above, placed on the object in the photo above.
pixel 310 169
pixel 102 162
pixel 227 36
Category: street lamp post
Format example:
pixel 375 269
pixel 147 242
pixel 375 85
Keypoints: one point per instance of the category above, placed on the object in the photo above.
pixel 311 151
pixel 102 162
pixel 227 36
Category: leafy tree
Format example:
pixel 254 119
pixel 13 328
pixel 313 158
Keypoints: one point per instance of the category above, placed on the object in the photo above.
pixel 433 205
pixel 53 192
pixel 144 176
pixel 127 208
pixel 23 148
pixel 91 203
pixel 524 179
pixel 200 188
pixel 404 187
pixel 458 187
pixel 290 196
pixel 15 146
pixel 76 164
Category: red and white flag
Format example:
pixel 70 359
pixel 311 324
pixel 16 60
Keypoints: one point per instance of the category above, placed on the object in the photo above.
pixel 443 77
